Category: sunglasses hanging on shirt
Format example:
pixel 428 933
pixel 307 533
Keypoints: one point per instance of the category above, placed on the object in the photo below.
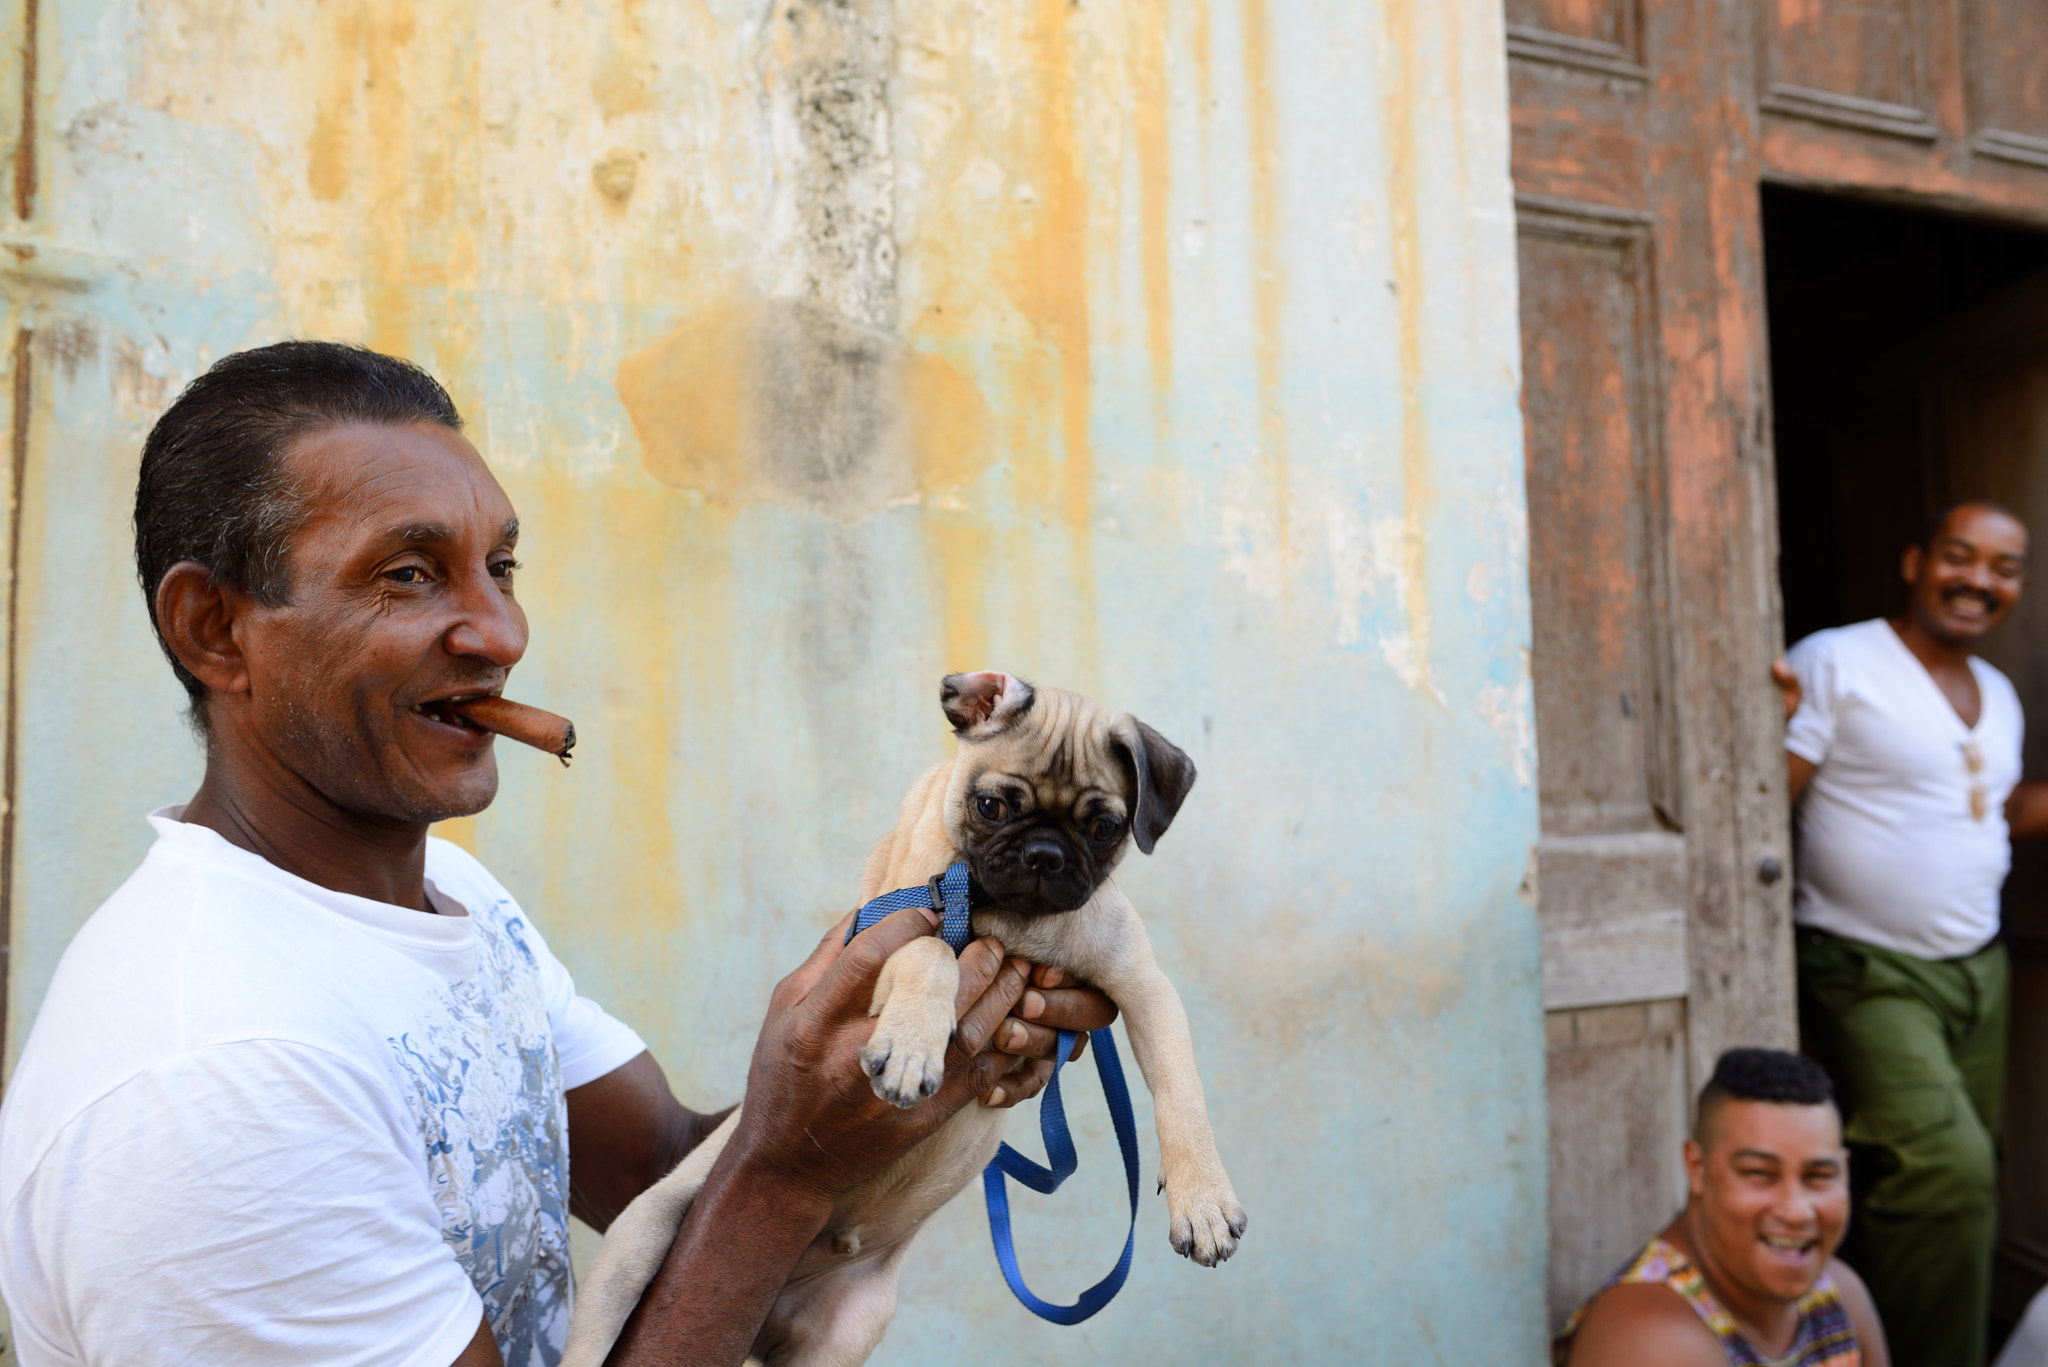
pixel 1973 760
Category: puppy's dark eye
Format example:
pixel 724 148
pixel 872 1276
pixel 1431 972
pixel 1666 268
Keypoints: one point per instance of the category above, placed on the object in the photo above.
pixel 990 808
pixel 1105 828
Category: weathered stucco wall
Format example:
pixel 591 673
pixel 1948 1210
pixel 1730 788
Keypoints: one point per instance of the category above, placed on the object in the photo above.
pixel 1162 351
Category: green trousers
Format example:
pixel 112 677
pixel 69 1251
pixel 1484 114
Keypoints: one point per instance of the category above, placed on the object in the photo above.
pixel 1917 1052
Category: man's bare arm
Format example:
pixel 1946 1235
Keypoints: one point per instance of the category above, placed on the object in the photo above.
pixel 1862 1313
pixel 1644 1325
pixel 2026 811
pixel 482 1350
pixel 626 1131
pixel 1798 773
pixel 811 1131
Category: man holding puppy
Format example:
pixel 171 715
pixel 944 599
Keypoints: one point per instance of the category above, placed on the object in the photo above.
pixel 308 1087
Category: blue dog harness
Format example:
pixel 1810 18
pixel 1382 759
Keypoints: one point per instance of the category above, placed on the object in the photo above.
pixel 952 894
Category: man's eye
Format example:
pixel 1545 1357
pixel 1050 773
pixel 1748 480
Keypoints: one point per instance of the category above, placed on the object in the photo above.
pixel 407 574
pixel 503 569
pixel 1106 828
pixel 989 808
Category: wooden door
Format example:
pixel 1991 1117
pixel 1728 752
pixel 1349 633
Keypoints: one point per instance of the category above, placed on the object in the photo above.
pixel 1660 874
pixel 1642 130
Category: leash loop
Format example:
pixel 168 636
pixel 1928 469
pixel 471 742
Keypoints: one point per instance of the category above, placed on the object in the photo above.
pixel 1059 1151
pixel 951 895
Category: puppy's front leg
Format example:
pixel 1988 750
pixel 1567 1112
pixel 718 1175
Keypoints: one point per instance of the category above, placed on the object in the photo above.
pixel 905 1057
pixel 1206 1218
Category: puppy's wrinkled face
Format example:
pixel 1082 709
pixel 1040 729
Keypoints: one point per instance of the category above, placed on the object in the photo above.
pixel 1049 788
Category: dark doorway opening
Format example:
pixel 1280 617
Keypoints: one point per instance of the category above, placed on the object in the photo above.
pixel 1909 369
pixel 1859 295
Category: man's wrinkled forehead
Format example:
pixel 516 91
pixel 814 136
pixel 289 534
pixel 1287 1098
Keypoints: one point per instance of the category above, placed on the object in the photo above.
pixel 423 485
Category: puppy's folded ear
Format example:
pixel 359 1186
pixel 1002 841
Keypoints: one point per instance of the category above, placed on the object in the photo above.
pixel 1161 776
pixel 979 705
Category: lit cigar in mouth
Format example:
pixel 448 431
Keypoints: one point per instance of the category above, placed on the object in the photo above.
pixel 517 721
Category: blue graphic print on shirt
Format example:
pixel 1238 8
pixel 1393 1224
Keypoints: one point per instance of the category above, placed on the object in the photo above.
pixel 487 1094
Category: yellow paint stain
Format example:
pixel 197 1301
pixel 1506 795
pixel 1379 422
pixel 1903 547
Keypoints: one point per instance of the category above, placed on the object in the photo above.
pixel 326 168
pixel 1053 287
pixel 394 144
pixel 1149 94
pixel 1402 58
pixel 960 552
pixel 775 401
pixel 460 830
pixel 1269 281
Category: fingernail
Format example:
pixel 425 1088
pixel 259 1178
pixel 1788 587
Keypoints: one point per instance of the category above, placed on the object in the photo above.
pixel 1018 1034
pixel 932 916
pixel 1034 1006
pixel 1053 977
pixel 995 1098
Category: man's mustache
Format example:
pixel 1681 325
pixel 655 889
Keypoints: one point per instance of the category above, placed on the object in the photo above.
pixel 1989 600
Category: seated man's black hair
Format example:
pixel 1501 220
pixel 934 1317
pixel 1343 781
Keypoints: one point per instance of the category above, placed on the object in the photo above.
pixel 1770 1075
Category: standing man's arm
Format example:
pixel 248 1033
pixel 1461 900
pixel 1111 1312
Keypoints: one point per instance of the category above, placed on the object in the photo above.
pixel 2026 811
pixel 1798 768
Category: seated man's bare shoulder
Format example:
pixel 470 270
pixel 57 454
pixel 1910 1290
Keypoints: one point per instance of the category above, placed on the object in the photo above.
pixel 1862 1313
pixel 1643 1325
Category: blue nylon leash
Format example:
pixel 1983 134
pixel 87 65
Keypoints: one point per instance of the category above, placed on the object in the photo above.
pixel 1059 1149
pixel 951 893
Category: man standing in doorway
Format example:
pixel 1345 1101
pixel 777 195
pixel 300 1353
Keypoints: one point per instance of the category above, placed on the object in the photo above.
pixel 1903 750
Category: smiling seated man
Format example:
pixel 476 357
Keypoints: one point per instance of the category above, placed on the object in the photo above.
pixel 307 1088
pixel 1746 1275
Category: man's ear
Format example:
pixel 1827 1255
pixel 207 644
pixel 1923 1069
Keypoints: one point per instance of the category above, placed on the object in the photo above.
pixel 1909 564
pixel 1161 774
pixel 979 705
pixel 197 618
pixel 1695 1168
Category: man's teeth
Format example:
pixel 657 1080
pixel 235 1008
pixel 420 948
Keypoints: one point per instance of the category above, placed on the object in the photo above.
pixel 1789 1245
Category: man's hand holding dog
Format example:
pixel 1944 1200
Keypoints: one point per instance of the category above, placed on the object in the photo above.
pixel 811 1117
pixel 812 1128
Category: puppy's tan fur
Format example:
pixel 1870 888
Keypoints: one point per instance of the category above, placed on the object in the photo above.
pixel 1057 753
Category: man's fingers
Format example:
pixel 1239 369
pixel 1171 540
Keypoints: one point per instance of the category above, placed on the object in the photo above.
pixel 797 984
pixel 850 978
pixel 1069 1008
pixel 1027 1040
pixel 1788 683
pixel 980 962
pixel 979 1021
pixel 1022 1085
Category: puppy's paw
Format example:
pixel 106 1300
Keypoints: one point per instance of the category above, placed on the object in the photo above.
pixel 1206 1220
pixel 905 1060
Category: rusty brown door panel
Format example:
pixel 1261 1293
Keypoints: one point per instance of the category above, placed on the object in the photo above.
pixel 1653 593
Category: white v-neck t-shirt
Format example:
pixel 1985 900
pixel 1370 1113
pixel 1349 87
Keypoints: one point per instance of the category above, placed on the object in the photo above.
pixel 258 1121
pixel 1889 851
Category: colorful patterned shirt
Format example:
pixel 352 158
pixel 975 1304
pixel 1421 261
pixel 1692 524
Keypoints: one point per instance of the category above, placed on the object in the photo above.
pixel 1826 1338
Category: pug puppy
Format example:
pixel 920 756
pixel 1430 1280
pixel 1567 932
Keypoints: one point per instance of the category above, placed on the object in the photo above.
pixel 1046 793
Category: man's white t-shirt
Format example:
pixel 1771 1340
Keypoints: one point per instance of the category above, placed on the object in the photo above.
pixel 260 1122
pixel 1889 850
